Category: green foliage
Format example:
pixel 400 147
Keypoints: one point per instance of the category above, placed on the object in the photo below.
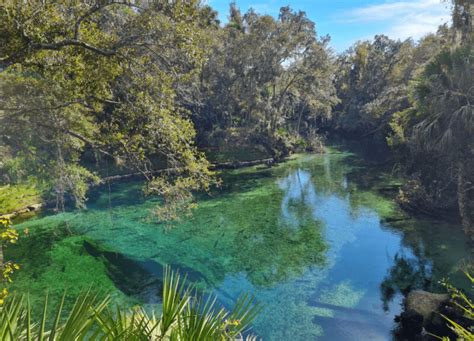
pixel 443 97
pixel 444 122
pixel 17 322
pixel 103 79
pixel 8 236
pixel 372 83
pixel 119 82
pixel 417 98
pixel 266 76
pixel 184 317
pixel 16 197
pixel 466 306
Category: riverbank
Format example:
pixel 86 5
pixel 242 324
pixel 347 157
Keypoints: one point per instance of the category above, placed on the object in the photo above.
pixel 19 200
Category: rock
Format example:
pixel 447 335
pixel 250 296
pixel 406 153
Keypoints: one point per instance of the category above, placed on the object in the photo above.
pixel 35 207
pixel 421 314
pixel 424 303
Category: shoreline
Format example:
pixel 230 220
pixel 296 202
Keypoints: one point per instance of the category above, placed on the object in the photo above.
pixel 35 207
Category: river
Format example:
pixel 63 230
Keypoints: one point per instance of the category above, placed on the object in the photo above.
pixel 318 240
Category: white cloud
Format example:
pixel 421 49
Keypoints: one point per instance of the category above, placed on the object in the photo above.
pixel 402 19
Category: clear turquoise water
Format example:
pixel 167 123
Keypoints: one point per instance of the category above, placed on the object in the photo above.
pixel 318 240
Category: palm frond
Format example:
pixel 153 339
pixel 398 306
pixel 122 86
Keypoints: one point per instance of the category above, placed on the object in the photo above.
pixel 184 317
pixel 176 296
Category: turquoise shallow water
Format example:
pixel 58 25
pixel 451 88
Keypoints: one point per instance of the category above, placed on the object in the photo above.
pixel 317 240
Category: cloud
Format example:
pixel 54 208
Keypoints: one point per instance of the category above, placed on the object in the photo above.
pixel 401 19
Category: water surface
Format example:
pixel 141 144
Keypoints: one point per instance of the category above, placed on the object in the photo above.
pixel 318 240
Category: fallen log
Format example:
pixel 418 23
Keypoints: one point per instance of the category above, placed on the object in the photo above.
pixel 242 164
pixel 217 166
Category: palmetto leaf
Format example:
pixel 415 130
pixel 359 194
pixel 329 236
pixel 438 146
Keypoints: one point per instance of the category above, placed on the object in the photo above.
pixel 176 296
pixel 12 314
pixel 184 317
pixel 16 323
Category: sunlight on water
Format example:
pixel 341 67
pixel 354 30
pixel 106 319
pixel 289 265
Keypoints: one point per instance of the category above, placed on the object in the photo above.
pixel 310 238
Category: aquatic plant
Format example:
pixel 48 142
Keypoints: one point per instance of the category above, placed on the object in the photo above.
pixel 184 316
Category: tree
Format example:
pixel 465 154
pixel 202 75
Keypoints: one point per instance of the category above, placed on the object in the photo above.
pixel 267 75
pixel 372 85
pixel 462 15
pixel 438 124
pixel 445 109
pixel 102 77
pixel 417 97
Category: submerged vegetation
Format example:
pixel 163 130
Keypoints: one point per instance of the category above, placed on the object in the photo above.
pixel 295 236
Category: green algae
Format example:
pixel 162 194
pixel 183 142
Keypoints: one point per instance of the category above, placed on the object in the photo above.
pixel 310 238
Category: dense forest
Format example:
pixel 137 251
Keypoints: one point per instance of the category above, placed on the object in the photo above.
pixel 94 89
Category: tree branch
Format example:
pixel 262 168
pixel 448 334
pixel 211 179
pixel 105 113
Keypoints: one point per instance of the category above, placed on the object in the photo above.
pixel 74 42
pixel 97 7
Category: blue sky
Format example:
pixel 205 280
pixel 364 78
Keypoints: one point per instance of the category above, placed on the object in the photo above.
pixel 347 21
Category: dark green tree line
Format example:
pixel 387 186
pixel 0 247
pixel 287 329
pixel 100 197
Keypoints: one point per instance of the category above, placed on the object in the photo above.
pixel 418 98
pixel 270 78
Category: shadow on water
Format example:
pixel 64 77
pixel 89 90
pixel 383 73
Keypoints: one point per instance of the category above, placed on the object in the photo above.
pixel 318 240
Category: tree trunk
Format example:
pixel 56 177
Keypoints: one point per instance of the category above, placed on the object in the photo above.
pixel 1 257
pixel 300 115
pixel 463 200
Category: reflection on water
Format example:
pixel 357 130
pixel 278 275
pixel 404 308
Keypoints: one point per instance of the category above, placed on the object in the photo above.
pixel 308 238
